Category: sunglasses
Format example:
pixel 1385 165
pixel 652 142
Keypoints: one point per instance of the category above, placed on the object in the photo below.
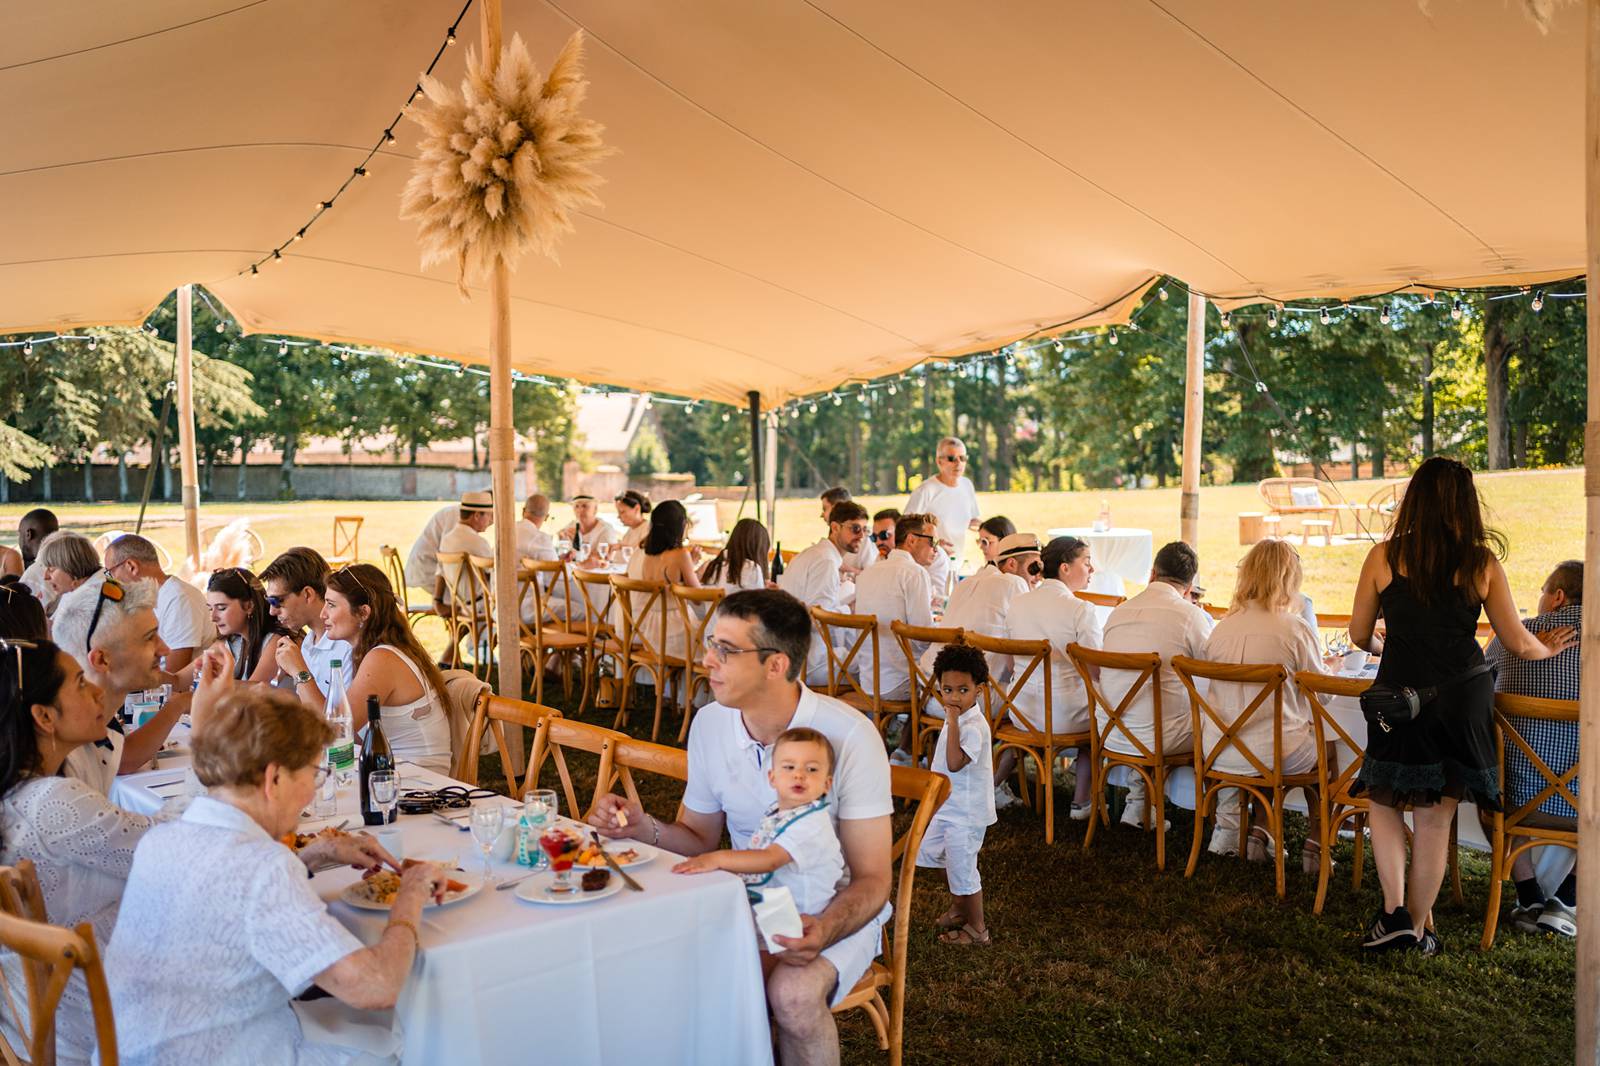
pixel 17 646
pixel 274 602
pixel 855 527
pixel 110 589
pixel 345 569
pixel 924 536
pixel 952 458
pixel 882 535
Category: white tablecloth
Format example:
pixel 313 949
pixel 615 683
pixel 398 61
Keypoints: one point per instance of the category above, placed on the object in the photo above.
pixel 670 974
pixel 1119 555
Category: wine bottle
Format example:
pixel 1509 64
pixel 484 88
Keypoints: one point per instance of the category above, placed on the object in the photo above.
pixel 777 562
pixel 375 756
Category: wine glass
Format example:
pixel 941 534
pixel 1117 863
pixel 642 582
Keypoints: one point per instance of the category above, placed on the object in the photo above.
pixel 602 551
pixel 383 786
pixel 487 821
pixel 539 811
pixel 626 551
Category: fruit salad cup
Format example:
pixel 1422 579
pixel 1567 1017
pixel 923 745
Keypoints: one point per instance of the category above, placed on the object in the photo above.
pixel 563 848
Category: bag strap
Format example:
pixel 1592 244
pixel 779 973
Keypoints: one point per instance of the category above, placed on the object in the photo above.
pixel 1427 695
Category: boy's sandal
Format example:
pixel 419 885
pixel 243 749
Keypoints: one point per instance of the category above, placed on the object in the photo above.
pixel 967 936
pixel 947 922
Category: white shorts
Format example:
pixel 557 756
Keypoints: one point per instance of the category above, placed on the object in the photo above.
pixel 954 847
pixel 853 954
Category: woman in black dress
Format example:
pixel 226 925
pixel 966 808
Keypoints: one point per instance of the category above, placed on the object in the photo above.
pixel 1429 580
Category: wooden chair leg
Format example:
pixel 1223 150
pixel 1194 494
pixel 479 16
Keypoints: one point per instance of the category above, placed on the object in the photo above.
pixel 660 678
pixel 1159 788
pixel 1201 796
pixel 1097 800
pixel 1275 819
pixel 1326 834
pixel 1497 873
pixel 1047 786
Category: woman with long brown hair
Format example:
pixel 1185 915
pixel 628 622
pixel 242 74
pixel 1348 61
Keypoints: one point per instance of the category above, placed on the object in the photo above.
pixel 742 562
pixel 389 663
pixel 237 601
pixel 1437 571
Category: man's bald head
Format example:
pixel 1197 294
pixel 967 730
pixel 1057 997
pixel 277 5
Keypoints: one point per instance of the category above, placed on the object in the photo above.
pixel 536 508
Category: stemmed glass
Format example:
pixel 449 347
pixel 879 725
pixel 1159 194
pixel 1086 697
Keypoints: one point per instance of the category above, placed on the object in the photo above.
pixel 384 788
pixel 627 553
pixel 602 551
pixel 539 810
pixel 562 848
pixel 487 821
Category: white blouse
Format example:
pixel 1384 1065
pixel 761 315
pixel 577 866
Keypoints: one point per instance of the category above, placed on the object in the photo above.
pixel 207 954
pixel 82 847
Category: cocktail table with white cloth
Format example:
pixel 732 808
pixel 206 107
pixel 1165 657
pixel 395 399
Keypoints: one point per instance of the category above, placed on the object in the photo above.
pixel 670 974
pixel 1119 555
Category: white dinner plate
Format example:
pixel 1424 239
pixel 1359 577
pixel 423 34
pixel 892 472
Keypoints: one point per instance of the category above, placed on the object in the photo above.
pixel 352 896
pixel 533 889
pixel 645 854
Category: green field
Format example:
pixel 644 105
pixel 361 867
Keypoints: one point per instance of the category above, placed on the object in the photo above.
pixel 1541 512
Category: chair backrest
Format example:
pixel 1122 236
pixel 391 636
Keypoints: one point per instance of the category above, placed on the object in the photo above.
pixel 697 607
pixel 640 629
pixel 1100 599
pixel 395 570
pixel 1333 740
pixel 1278 492
pixel 629 755
pixel 1147 668
pixel 865 627
pixel 1267 700
pixel 595 588
pixel 928 791
pixel 1552 783
pixel 1028 657
pixel 347 536
pixel 460 698
pixel 1214 610
pixel 562 735
pixel 490 714
pixel 49 955
pixel 908 636
pixel 546 581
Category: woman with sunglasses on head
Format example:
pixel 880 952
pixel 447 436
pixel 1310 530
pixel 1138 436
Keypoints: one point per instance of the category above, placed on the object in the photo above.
pixel 238 604
pixel 390 664
pixel 80 844
pixel 742 562
pixel 991 533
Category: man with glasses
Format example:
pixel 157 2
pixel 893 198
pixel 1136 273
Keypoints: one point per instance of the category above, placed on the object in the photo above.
pixel 110 627
pixel 883 524
pixel 297 582
pixel 897 590
pixel 181 612
pixel 868 552
pixel 813 577
pixel 757 642
pixel 950 497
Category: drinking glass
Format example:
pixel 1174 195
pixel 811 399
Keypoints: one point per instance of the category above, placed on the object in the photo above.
pixel 384 788
pixel 602 551
pixel 627 553
pixel 562 848
pixel 539 811
pixel 487 821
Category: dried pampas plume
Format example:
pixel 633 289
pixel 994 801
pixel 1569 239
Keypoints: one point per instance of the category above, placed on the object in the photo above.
pixel 504 162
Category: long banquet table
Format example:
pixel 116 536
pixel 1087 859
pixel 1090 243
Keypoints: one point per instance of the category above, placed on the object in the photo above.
pixel 670 974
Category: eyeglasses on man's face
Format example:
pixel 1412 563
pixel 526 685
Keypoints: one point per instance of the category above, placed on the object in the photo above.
pixel 723 650
pixel 952 458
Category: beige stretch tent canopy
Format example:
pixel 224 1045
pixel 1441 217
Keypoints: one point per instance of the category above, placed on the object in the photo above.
pixel 807 193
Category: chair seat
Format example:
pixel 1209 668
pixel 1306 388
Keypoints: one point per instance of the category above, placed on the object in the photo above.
pixel 420 608
pixel 856 698
pixel 876 977
pixel 557 640
pixel 639 655
pixel 1290 781
pixel 1008 735
pixel 1122 758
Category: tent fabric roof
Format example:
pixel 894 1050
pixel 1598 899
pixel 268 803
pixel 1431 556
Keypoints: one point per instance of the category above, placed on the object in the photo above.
pixel 808 192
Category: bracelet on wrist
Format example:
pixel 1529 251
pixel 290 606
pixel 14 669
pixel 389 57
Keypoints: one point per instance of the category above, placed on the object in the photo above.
pixel 657 827
pixel 410 926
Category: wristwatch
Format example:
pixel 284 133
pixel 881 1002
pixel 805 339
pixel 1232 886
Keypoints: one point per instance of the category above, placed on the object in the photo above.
pixel 303 677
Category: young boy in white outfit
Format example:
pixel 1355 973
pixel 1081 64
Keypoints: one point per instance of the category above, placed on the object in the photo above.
pixel 955 835
pixel 795 845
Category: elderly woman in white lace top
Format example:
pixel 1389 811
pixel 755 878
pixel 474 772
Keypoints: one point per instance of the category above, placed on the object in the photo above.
pixel 220 926
pixel 81 845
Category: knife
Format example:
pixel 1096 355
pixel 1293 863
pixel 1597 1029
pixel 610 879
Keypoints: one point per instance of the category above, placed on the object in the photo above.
pixel 620 872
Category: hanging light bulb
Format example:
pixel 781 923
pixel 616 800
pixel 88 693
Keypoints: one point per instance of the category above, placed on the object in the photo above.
pixel 277 256
pixel 1272 318
pixel 388 136
pixel 892 388
pixel 361 172
pixel 1456 310
pixel 1538 301
pixel 283 347
pixel 299 235
pixel 1059 346
pixel 94 342
pixel 1162 293
pixel 27 346
pixel 221 327
pixel 837 400
pixel 1113 338
pixel 725 416
pixel 450 36
pixel 1227 320
pixel 324 205
pixel 1387 314
pixel 813 407
pixel 1324 317
pixel 254 270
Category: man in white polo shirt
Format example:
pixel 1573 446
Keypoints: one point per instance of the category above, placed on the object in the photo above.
pixel 754 655
pixel 896 590
pixel 814 576
pixel 950 497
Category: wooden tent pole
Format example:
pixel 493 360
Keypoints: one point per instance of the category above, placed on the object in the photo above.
pixel 1194 388
pixel 503 451
pixel 769 473
pixel 1588 977
pixel 188 467
pixel 755 450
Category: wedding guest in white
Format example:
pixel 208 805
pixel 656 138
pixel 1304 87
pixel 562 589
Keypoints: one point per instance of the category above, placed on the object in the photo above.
pixel 1162 618
pixel 532 541
pixel 813 576
pixel 896 590
pixel 68 559
pixel 868 553
pixel 743 561
pixel 950 497
pixel 297 586
pixel 883 531
pixel 633 511
pixel 207 954
pixel 422 564
pixel 1053 612
pixel 587 530
pixel 991 532
pixel 181 610
pixel 475 515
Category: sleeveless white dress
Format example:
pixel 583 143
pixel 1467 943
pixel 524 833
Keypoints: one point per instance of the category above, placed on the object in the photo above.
pixel 418 731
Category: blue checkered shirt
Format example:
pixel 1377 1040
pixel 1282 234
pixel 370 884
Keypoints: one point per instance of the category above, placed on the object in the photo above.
pixel 1555 678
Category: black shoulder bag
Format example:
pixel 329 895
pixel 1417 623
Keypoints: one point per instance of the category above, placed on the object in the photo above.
pixel 1386 706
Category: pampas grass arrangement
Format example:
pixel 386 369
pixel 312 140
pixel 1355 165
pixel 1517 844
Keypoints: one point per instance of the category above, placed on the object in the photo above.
pixel 505 161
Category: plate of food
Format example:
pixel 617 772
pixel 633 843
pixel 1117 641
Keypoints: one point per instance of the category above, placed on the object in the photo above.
pixel 377 892
pixel 590 885
pixel 626 857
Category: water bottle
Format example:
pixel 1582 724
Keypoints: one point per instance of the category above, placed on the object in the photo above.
pixel 1103 523
pixel 342 751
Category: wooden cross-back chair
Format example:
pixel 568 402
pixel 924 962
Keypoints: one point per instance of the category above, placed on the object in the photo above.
pixel 547 636
pixel 471 610
pixel 49 955
pixel 1514 832
pixel 1101 599
pixel 629 756
pixel 864 652
pixel 395 569
pixel 600 638
pixel 697 607
pixel 645 643
pixel 491 714
pixel 1339 757
pixel 1029 659
pixel 922 724
pixel 927 790
pixel 346 539
pixel 1152 762
pixel 1269 785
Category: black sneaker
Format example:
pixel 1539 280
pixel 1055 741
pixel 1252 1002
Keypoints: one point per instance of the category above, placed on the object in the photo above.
pixel 1390 931
pixel 1429 944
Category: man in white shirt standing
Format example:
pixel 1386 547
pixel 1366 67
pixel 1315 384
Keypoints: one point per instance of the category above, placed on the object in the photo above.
pixel 1163 618
pixel 297 582
pixel 868 553
pixel 896 590
pixel 950 497
pixel 186 627
pixel 754 654
pixel 813 576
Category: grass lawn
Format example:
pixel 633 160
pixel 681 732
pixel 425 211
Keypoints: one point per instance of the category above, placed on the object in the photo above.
pixel 1100 958
pixel 1541 512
